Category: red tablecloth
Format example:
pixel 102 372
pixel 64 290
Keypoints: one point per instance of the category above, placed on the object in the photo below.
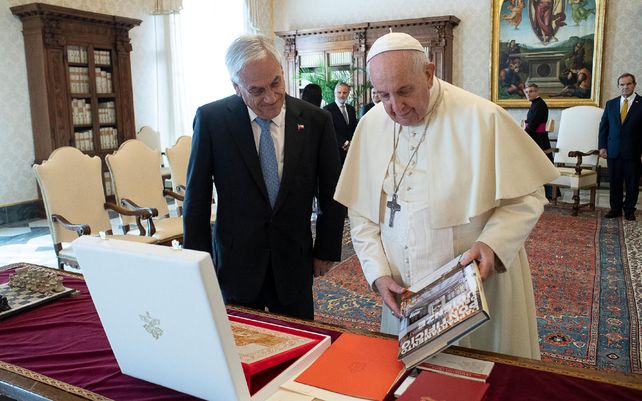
pixel 64 340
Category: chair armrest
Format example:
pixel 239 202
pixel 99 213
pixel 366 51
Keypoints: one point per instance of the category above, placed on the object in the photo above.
pixel 173 194
pixel 579 155
pixel 142 212
pixel 152 212
pixel 80 229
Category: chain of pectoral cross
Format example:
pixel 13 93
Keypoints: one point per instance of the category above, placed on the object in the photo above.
pixel 393 205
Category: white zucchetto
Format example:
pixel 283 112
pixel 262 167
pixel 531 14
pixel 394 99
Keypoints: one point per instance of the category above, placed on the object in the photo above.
pixel 393 41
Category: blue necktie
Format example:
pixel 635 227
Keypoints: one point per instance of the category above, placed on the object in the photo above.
pixel 267 156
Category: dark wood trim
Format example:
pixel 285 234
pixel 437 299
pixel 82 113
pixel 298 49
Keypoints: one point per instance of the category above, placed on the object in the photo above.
pixel 436 33
pixel 48 30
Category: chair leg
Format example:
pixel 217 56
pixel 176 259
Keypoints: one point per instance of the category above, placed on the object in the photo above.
pixel 592 199
pixel 554 194
pixel 576 202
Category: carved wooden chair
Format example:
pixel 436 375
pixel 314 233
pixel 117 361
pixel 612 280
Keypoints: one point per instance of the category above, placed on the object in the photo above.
pixel 137 184
pixel 576 154
pixel 72 192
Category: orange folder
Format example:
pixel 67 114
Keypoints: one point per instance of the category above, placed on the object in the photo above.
pixel 358 366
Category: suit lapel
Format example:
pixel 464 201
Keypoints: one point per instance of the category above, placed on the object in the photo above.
pixel 635 107
pixel 615 110
pixel 337 112
pixel 295 130
pixel 241 132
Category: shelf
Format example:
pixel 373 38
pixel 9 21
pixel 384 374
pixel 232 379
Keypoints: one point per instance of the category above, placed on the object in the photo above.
pixel 70 56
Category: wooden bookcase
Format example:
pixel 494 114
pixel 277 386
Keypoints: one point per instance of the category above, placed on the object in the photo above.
pixel 325 49
pixel 79 77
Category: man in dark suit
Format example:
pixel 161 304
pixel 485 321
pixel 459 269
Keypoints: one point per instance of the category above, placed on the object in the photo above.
pixel 535 124
pixel 374 95
pixel 620 143
pixel 344 118
pixel 265 152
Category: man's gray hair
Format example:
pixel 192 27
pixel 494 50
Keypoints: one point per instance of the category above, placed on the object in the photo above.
pixel 419 60
pixel 247 48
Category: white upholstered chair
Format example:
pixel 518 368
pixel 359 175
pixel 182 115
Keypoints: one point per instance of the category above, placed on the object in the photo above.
pixel 151 138
pixel 178 158
pixel 138 183
pixel 576 153
pixel 72 192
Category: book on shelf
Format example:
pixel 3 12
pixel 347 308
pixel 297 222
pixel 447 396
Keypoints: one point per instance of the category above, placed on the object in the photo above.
pixel 439 310
pixel 76 54
pixel 84 140
pixel 355 367
pixel 434 386
pixel 102 57
pixel 459 366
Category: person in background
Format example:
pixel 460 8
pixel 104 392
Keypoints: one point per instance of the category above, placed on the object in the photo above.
pixel 535 125
pixel 312 94
pixel 265 152
pixel 620 143
pixel 431 175
pixel 344 118
pixel 375 99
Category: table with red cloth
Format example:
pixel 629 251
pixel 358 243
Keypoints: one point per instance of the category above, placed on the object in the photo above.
pixel 60 351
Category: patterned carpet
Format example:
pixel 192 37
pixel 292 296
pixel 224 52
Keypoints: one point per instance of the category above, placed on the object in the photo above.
pixel 587 274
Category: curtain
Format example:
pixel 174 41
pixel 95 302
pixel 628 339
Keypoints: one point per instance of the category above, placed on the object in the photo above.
pixel 191 50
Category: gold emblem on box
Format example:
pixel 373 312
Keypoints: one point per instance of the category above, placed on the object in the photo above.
pixel 151 325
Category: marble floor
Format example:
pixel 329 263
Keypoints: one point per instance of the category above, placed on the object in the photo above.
pixel 31 242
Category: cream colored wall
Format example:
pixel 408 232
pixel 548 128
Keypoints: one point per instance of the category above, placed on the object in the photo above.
pixel 16 149
pixel 16 152
pixel 622 50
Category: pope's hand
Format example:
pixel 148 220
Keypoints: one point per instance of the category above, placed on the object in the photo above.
pixel 388 289
pixel 603 153
pixel 321 267
pixel 484 256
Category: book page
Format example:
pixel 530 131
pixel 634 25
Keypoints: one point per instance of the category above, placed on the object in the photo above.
pixel 256 343
pixel 433 310
pixel 456 365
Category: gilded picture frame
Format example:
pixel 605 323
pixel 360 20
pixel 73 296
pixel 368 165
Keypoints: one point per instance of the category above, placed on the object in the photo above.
pixel 556 44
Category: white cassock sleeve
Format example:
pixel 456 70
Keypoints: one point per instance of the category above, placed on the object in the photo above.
pixel 510 224
pixel 366 239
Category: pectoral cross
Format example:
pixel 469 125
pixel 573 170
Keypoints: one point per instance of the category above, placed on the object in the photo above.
pixel 394 208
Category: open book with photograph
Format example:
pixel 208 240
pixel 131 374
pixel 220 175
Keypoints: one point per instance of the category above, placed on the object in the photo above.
pixel 439 310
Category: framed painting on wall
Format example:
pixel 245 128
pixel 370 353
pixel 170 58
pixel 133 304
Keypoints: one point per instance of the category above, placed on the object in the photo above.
pixel 556 44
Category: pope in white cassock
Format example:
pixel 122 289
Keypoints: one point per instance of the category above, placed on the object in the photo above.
pixel 434 171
